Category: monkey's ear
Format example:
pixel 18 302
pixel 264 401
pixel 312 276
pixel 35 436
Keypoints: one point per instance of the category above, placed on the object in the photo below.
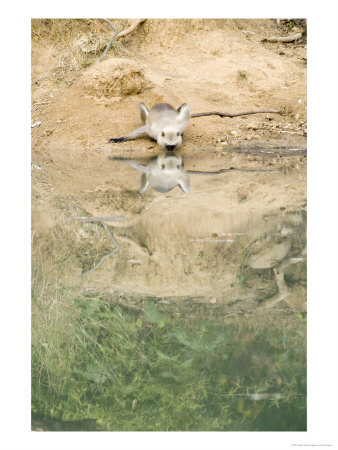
pixel 144 111
pixel 184 112
pixel 184 182
pixel 160 161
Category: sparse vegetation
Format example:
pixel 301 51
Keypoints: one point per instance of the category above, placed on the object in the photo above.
pixel 77 43
pixel 242 74
pixel 99 364
pixel 146 370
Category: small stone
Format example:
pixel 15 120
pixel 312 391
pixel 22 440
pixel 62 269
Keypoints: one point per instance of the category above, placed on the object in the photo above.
pixel 35 166
pixel 252 126
pixel 297 30
pixel 213 300
pixel 285 231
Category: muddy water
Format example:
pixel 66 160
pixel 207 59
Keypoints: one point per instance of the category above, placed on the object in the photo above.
pixel 190 292
pixel 202 234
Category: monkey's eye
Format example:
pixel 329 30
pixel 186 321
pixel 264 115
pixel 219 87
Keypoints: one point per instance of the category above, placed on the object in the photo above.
pixel 178 167
pixel 162 133
pixel 163 166
pixel 178 133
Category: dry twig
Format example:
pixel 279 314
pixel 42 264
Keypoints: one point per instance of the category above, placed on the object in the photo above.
pixel 119 35
pixel 100 220
pixel 291 38
pixel 117 246
pixel 232 169
pixel 216 113
pixel 132 27
pixel 273 151
pixel 116 32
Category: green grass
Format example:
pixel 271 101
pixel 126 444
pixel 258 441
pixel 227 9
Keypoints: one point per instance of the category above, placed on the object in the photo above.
pixel 147 370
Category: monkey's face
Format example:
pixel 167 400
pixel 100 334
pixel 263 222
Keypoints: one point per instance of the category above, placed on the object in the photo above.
pixel 169 164
pixel 170 138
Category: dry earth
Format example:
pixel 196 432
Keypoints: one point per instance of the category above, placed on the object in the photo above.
pixel 209 64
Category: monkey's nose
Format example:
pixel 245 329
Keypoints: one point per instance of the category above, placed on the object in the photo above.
pixel 170 147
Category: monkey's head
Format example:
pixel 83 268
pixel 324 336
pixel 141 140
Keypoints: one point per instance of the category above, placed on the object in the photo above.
pixel 170 138
pixel 171 173
pixel 169 162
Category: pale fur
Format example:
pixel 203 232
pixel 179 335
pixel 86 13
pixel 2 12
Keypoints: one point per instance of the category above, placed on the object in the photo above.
pixel 163 123
pixel 163 174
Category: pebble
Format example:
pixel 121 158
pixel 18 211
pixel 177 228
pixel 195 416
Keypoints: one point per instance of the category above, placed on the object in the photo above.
pixel 35 166
pixel 252 126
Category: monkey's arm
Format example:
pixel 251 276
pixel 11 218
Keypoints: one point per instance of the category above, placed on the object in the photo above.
pixel 134 164
pixel 184 182
pixel 245 113
pixel 144 183
pixel 134 134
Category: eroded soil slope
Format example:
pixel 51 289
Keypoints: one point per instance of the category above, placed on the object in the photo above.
pixel 219 65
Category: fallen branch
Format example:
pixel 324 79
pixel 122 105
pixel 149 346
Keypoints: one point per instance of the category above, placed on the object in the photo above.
pixel 211 240
pixel 110 24
pixel 283 290
pixel 280 151
pixel 98 219
pixel 216 113
pixel 291 38
pixel 116 32
pixel 232 169
pixel 117 246
pixel 130 29
pixel 119 35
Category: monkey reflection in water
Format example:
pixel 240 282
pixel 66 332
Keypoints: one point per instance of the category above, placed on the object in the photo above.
pixel 162 173
pixel 166 171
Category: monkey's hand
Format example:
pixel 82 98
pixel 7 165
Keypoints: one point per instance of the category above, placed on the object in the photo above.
pixel 121 139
